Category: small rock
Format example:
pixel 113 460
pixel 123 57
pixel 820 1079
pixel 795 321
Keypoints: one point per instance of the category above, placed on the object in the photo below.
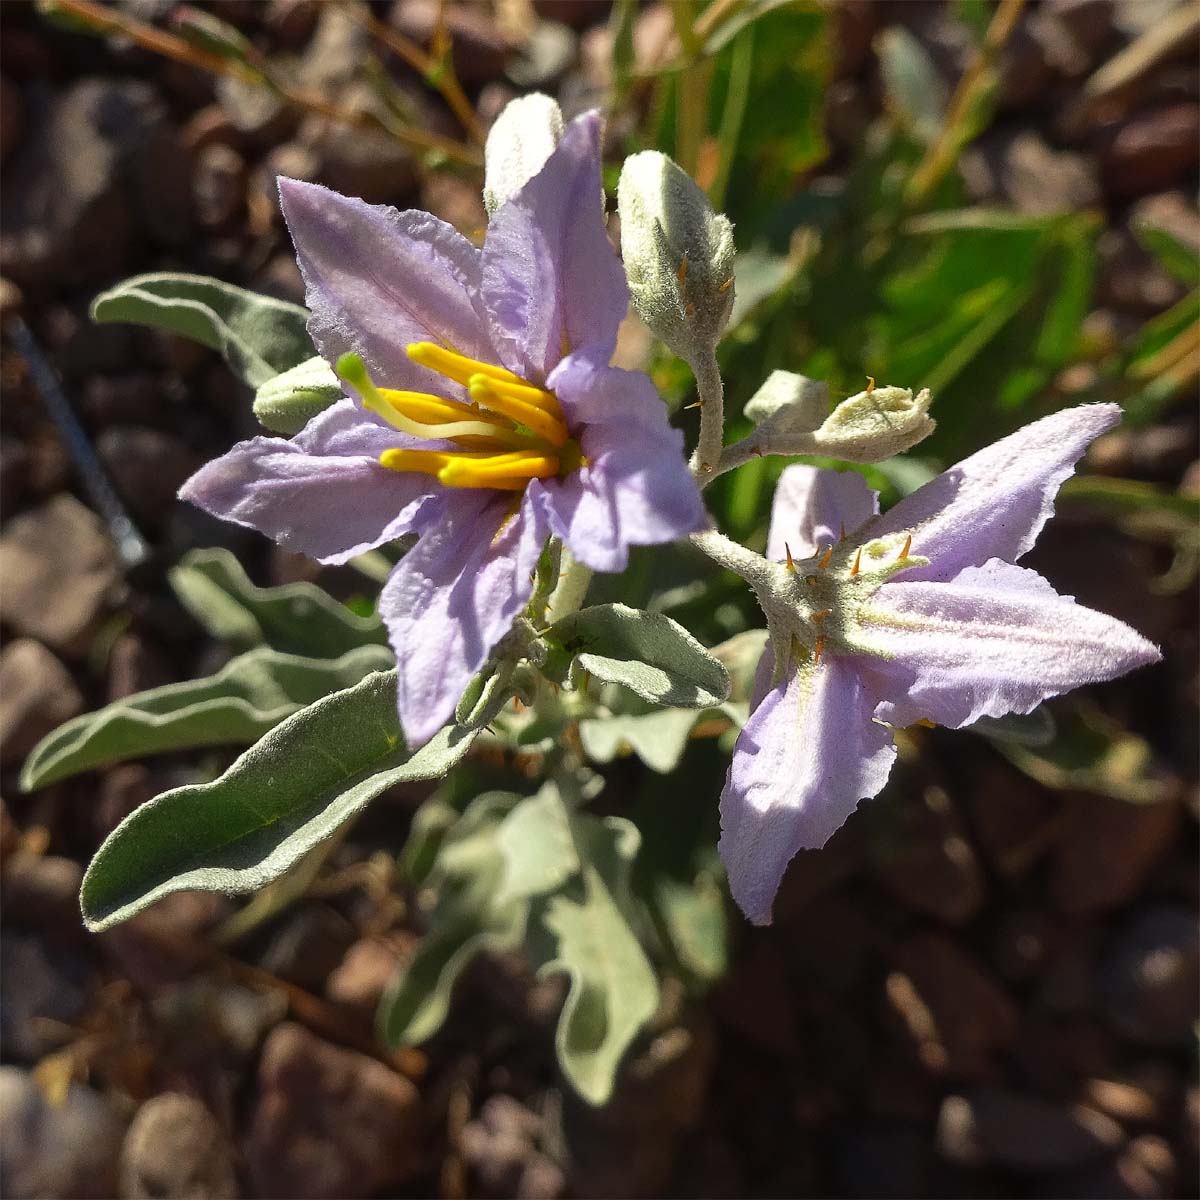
pixel 855 25
pixel 954 1012
pixel 41 892
pixel 14 470
pixel 147 466
pixel 1139 1096
pixel 39 985
pixel 134 665
pixel 366 163
pixel 993 1127
pixel 307 945
pixel 59 574
pixel 500 1146
pixel 1130 278
pixel 208 126
pixel 1023 171
pixel 577 13
pixel 1024 940
pixel 165 943
pixel 219 187
pixel 330 1122
pixel 132 397
pixel 920 852
pixel 68 1151
pixel 1071 34
pixel 37 695
pixel 1024 71
pixel 1172 212
pixel 260 116
pixel 478 47
pixel 1108 851
pixel 1012 820
pixel 215 1020
pixel 882 1161
pixel 1143 1170
pixel 757 1004
pixel 175 1150
pixel 365 972
pixel 123 788
pixel 1152 150
pixel 1149 977
pixel 543 57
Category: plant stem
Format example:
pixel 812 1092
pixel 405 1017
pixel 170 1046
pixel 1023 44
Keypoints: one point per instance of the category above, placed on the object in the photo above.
pixel 573 581
pixel 711 392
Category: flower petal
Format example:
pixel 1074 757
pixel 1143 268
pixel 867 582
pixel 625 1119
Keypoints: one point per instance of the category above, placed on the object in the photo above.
pixel 994 504
pixel 808 754
pixel 636 489
pixel 812 507
pixel 377 279
pixel 549 270
pixel 323 493
pixel 523 137
pixel 452 598
pixel 996 639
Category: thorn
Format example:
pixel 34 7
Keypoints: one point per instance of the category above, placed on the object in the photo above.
pixel 690 310
pixel 791 565
pixel 726 285
pixel 820 616
pixel 907 547
pixel 818 650
pixel 683 266
pixel 841 531
pixel 823 561
pixel 698 404
pixel 518 704
pixel 870 384
pixel 857 563
pixel 759 452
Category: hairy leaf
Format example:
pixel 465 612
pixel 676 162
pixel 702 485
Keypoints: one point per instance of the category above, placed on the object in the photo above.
pixel 286 403
pixel 237 705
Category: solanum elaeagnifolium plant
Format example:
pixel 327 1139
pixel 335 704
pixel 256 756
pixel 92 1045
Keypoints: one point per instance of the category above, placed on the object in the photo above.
pixel 459 403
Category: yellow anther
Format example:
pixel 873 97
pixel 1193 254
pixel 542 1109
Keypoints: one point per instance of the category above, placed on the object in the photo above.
pixel 857 563
pixel 925 723
pixel 528 394
pixel 426 462
pixel 507 472
pixel 791 565
pixel 907 547
pixel 823 561
pixel 529 415
pixel 455 366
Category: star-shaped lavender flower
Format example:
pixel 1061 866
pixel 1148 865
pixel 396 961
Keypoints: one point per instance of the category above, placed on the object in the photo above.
pixel 915 615
pixel 484 415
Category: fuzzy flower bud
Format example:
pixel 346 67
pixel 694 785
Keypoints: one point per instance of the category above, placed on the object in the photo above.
pixel 876 424
pixel 678 255
pixel 791 403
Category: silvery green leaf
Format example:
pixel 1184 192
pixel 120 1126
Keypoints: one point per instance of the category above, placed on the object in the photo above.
pixel 535 840
pixel 258 336
pixel 295 787
pixel 790 401
pixel 740 655
pixel 1036 728
pixel 613 989
pixel 915 92
pixel 286 403
pixel 657 738
pixel 694 920
pixel 470 916
pixel 648 653
pixel 236 706
pixel 299 617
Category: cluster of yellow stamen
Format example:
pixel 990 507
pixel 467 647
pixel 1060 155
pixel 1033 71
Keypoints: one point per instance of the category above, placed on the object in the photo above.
pixel 512 432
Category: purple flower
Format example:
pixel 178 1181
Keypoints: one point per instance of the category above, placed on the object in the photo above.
pixel 485 416
pixel 915 615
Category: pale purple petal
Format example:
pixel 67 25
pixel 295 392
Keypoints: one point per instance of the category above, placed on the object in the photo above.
pixel 994 504
pixel 323 493
pixel 636 489
pixel 812 507
pixel 808 754
pixel 452 598
pixel 996 639
pixel 377 279
pixel 549 270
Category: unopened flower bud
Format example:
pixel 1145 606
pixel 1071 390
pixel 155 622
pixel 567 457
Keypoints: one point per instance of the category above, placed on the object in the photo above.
pixel 791 403
pixel 518 144
pixel 876 424
pixel 288 402
pixel 678 255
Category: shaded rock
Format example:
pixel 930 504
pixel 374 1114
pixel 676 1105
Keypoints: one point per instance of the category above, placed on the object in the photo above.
pixel 208 126
pixel 59 574
pixel 500 1146
pixel 37 695
pixel 309 943
pixel 756 1002
pixel 330 1122
pixel 219 187
pixel 165 943
pixel 175 1150
pixel 291 22
pixel 68 1151
pixel 1108 850
pixel 994 1127
pixel 1138 1096
pixel 14 469
pixel 368 967
pixel 956 1015
pixel 1019 168
pixel 214 1020
pixel 1151 150
pixel 122 789
pixel 147 466
pixel 479 48
pixel 855 25
pixel 1130 278
pixel 543 56
pixel 38 984
pixel 41 891
pixel 1149 977
pixel 919 851
pixel 1172 212
pixel 1024 940
pixel 99 171
pixel 577 13
pixel 134 665
pixel 1012 819
pixel 12 116
pixel 132 397
pixel 258 114
pixel 1071 34
pixel 367 163
pixel 1024 70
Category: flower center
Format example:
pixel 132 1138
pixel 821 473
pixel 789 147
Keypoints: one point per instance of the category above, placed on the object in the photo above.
pixel 512 431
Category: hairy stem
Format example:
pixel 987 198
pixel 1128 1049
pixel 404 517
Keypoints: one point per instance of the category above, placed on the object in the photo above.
pixel 757 571
pixel 573 582
pixel 711 392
